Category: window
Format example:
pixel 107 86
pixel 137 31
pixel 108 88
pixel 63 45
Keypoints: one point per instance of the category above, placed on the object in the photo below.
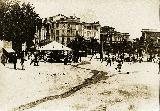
pixel 62 40
pixel 68 32
pixel 77 33
pixel 94 34
pixel 63 25
pixel 95 28
pixel 57 39
pixel 57 25
pixel 52 25
pixel 89 27
pixel 73 33
pixel 63 32
pixel 57 32
pixel 88 33
pixel 68 40
pixel 51 30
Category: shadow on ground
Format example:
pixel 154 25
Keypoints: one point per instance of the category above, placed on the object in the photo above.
pixel 97 76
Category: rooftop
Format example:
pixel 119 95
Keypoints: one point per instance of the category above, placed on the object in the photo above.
pixel 150 30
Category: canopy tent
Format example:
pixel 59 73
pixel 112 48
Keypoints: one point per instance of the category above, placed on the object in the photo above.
pixel 9 50
pixel 54 46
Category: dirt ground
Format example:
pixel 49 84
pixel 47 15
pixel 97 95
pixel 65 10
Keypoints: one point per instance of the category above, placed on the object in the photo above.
pixel 88 86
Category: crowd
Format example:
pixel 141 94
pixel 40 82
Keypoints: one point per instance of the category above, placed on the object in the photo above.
pixel 120 59
pixel 35 57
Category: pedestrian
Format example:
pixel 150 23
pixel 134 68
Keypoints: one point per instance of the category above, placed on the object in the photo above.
pixel 32 58
pixel 22 62
pixel 113 58
pixel 15 60
pixel 121 57
pixel 109 61
pixel 119 66
pixel 29 55
pixel 36 60
pixel 101 56
pixel 133 59
pixel 65 60
pixel 140 60
pixel 3 59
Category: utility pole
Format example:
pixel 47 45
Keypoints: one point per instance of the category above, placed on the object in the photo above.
pixel 101 52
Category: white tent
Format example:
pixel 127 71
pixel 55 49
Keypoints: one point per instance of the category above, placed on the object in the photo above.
pixel 9 50
pixel 54 46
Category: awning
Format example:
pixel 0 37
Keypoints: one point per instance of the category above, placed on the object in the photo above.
pixel 54 46
pixel 9 50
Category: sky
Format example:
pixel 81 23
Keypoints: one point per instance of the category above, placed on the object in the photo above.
pixel 129 16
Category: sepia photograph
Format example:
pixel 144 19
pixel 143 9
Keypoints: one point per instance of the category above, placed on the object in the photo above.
pixel 79 55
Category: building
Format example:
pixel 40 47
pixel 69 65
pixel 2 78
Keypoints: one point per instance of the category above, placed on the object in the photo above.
pixel 63 29
pixel 113 41
pixel 5 47
pixel 91 30
pixel 125 36
pixel 43 32
pixel 66 29
pixel 151 40
pixel 151 35
pixel 110 36
pixel 107 34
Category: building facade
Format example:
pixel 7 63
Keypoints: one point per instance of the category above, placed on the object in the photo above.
pixel 91 30
pixel 110 36
pixel 106 34
pixel 63 29
pixel 151 40
pixel 113 41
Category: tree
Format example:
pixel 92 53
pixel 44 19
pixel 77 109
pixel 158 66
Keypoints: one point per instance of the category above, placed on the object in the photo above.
pixel 18 23
pixel 77 45
pixel 94 46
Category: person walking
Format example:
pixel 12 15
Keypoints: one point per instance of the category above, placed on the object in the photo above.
pixel 65 60
pixel 101 56
pixel 109 61
pixel 3 59
pixel 14 61
pixel 22 62
pixel 32 58
pixel 119 66
pixel 36 60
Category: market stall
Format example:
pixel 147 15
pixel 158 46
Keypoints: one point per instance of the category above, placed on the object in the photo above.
pixel 54 52
pixel 8 52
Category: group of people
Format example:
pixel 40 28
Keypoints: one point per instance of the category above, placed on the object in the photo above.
pixel 109 60
pixel 34 58
pixel 14 59
pixel 120 59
